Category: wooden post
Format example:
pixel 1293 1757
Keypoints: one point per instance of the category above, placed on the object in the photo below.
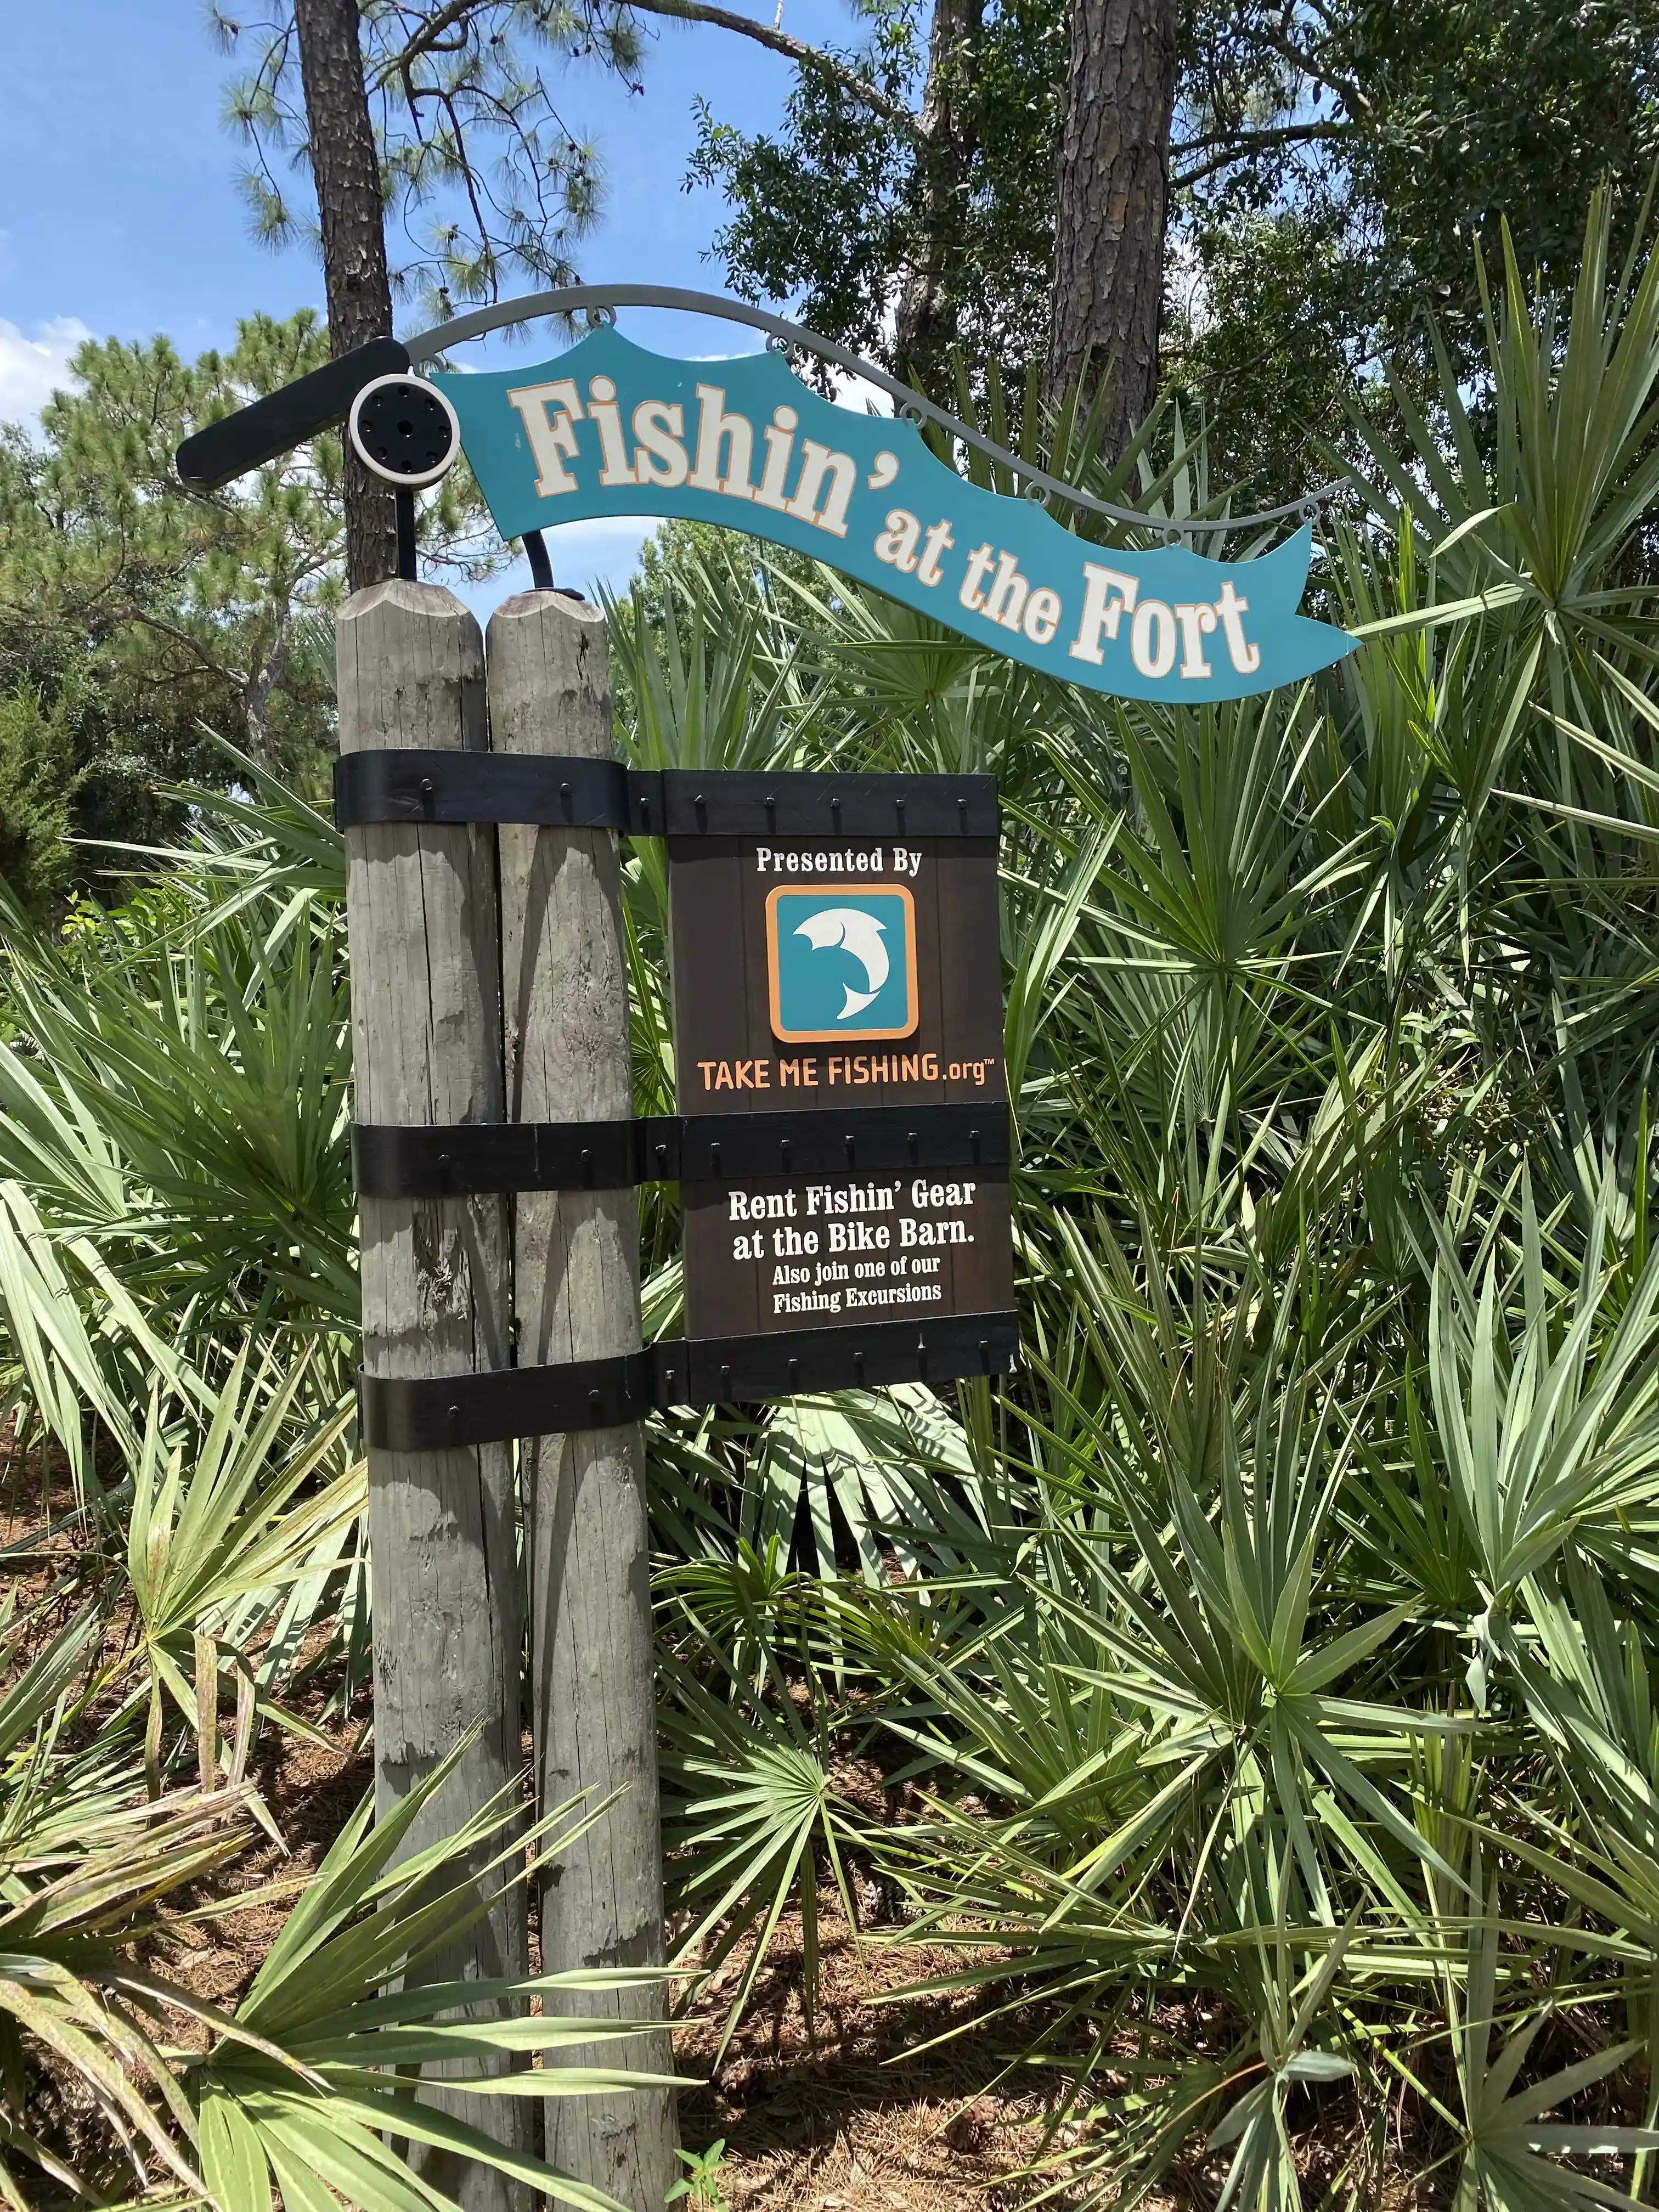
pixel 576 1290
pixel 427 1048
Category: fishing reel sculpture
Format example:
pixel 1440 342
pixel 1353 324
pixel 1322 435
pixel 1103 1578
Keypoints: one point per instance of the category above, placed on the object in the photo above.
pixel 401 426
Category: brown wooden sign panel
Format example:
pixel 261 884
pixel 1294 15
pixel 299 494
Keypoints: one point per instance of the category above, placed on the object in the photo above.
pixel 814 974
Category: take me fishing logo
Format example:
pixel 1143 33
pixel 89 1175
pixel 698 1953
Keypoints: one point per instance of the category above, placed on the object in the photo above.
pixel 840 962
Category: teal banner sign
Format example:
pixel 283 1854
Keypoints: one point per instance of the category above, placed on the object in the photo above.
pixel 609 428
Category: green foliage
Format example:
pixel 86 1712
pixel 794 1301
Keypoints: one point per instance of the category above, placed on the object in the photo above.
pixel 38 781
pixel 700 2184
pixel 1276 1655
pixel 314 2073
pixel 1251 1702
pixel 1332 170
pixel 1410 135
pixel 295 2087
pixel 174 1139
pixel 183 607
pixel 750 1800
pixel 482 177
pixel 827 212
pixel 139 616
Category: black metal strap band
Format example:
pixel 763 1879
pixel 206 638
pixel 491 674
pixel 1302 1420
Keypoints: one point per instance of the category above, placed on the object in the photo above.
pixel 842 1140
pixel 564 791
pixel 438 1412
pixel 802 803
pixel 433 1412
pixel 559 790
pixel 862 1355
pixel 388 1161
pixel 455 1161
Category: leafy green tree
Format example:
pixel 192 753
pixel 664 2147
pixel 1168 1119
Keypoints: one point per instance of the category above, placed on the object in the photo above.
pixel 907 204
pixel 37 782
pixel 481 175
pixel 1400 137
pixel 948 211
pixel 1329 169
pixel 136 617
pixel 185 606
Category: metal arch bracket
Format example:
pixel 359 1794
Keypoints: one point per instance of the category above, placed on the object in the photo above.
pixel 300 410
pixel 566 303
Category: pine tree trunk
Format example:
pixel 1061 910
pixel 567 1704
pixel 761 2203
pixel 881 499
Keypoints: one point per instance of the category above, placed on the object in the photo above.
pixel 1113 194
pixel 925 323
pixel 355 279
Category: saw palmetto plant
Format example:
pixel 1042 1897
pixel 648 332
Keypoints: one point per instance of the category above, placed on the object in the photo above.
pixel 1254 1702
pixel 1275 1672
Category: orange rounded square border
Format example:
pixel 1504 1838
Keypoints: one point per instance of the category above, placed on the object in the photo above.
pixel 831 1037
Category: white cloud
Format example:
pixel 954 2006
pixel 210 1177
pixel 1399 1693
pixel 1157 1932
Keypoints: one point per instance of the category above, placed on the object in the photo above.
pixel 33 368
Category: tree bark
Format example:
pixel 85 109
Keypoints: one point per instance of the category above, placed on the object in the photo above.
pixel 925 323
pixel 1114 173
pixel 356 286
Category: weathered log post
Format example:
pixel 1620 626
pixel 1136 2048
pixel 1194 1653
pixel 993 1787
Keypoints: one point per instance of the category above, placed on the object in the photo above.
pixel 422 922
pixel 576 1291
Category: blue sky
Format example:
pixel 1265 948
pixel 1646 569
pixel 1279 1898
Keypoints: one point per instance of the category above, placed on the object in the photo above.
pixel 119 215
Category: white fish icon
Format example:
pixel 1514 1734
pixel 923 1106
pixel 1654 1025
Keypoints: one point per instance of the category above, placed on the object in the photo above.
pixel 857 933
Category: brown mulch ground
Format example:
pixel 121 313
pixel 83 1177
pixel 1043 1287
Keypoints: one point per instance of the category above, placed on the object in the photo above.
pixel 864 2108
pixel 852 2116
pixel 869 2110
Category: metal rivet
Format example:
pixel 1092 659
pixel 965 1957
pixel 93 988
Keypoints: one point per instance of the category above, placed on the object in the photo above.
pixel 427 787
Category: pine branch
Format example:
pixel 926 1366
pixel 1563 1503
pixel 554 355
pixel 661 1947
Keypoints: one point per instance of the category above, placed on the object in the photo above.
pixel 425 39
pixel 795 49
pixel 1232 146
pixel 457 13
pixel 1312 66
